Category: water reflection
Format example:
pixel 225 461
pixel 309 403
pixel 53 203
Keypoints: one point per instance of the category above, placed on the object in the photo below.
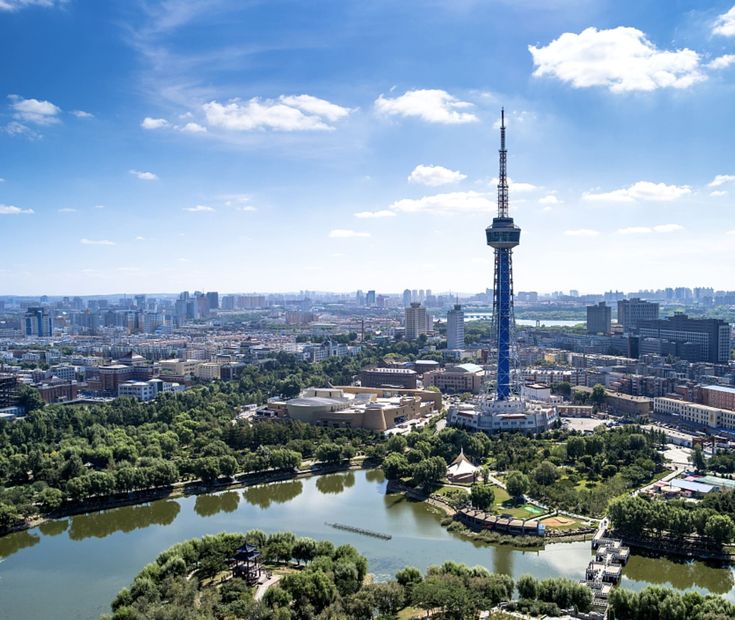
pixel 335 483
pixel 125 519
pixel 54 528
pixel 375 475
pixel 208 505
pixel 264 495
pixel 12 543
pixel 503 560
pixel 680 574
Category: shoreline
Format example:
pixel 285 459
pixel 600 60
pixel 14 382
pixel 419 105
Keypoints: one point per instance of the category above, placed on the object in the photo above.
pixel 181 489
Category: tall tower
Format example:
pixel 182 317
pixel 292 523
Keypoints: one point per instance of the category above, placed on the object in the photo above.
pixel 503 235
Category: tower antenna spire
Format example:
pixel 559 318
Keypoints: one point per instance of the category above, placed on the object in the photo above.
pixel 503 172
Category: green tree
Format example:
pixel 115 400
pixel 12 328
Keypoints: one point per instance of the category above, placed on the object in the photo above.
pixel 30 398
pixel 598 395
pixel 482 496
pixel 395 466
pixel 698 460
pixel 516 483
pixel 430 470
pixel 545 473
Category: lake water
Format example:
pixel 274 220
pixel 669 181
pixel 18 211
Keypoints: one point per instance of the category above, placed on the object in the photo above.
pixel 72 568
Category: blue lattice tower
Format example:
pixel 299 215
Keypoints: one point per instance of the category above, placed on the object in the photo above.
pixel 503 235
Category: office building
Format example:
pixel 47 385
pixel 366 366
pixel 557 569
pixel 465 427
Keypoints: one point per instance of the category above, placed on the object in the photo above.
pixel 456 379
pixel 455 328
pixel 38 322
pixel 632 311
pixel 213 300
pixel 370 299
pixel 388 377
pixel 599 318
pixel 416 321
pixel 719 396
pixel 694 340
pixel 407 298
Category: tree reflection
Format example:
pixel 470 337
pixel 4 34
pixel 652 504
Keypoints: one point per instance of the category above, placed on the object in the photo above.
pixel 125 519
pixel 54 528
pixel 335 483
pixel 279 492
pixel 208 505
pixel 12 543
pixel 375 475
pixel 681 574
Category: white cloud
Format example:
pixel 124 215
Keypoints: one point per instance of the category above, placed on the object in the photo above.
pixel 550 199
pixel 730 232
pixel 67 210
pixel 642 190
pixel 34 111
pixel 287 113
pixel 82 114
pixel 434 176
pixel 718 193
pixel 13 210
pixel 721 62
pixel 199 209
pixel 644 230
pixel 582 232
pixel 193 128
pixel 96 242
pixel 721 179
pixel 725 24
pixel 14 128
pixel 430 105
pixel 516 186
pixel 247 209
pixel 144 176
pixel 452 202
pixel 154 123
pixel 621 59
pixel 345 233
pixel 15 5
pixel 365 215
pixel 99 206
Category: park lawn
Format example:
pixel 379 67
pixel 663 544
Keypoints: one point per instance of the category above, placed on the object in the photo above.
pixel 409 613
pixel 504 504
pixel 445 490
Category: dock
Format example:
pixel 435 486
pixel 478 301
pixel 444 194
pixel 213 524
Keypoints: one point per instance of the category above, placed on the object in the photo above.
pixel 358 530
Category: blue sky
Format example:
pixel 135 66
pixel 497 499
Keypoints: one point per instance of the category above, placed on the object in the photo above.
pixel 335 145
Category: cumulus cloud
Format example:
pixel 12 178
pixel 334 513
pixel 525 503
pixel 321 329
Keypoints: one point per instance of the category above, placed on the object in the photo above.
pixel 35 111
pixel 287 113
pixel 434 176
pixel 96 242
pixel 82 114
pixel 643 230
pixel 365 215
pixel 549 199
pixel 721 179
pixel 13 210
pixel 642 190
pixel 582 232
pixel 346 233
pixel 452 202
pixel 200 209
pixel 718 193
pixel 430 105
pixel 516 186
pixel 154 123
pixel 725 24
pixel 67 210
pixel 144 176
pixel 621 59
pixel 721 62
pixel 193 128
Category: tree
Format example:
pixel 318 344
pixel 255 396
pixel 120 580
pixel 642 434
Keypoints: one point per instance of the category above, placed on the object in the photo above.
pixel 545 473
pixel 527 587
pixel 482 496
pixel 430 470
pixel 329 453
pixel 720 528
pixel 395 466
pixel 516 483
pixel 598 395
pixel 576 448
pixel 304 549
pixel 698 460
pixel 30 398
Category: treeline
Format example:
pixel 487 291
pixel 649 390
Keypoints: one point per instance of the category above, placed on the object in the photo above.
pixel 656 603
pixel 60 453
pixel 712 520
pixel 321 581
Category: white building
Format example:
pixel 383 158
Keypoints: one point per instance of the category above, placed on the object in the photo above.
pixel 415 321
pixel 455 328
pixel 694 413
pixel 493 416
pixel 147 390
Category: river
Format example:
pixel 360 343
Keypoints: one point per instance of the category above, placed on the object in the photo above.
pixel 71 569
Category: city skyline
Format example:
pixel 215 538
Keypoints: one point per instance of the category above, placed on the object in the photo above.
pixel 343 148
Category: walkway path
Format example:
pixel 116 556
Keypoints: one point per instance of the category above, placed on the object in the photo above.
pixel 263 587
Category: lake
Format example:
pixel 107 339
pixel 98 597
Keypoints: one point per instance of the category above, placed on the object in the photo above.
pixel 72 568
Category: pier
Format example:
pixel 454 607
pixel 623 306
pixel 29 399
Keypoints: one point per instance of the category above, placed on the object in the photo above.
pixel 358 530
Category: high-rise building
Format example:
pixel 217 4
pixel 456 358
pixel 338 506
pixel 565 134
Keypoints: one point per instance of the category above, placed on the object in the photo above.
pixel 415 320
pixel 599 318
pixel 407 298
pixel 455 328
pixel 38 322
pixel 370 299
pixel 213 300
pixel 632 311
pixel 695 340
pixel 360 298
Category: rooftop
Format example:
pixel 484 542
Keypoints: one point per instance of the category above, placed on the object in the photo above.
pixel 719 388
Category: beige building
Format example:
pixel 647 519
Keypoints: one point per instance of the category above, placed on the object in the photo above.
pixel 694 413
pixel 373 409
pixel 178 368
pixel 456 379
pixel 208 371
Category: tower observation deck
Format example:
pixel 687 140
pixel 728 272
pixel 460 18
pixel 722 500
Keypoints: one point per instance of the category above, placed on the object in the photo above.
pixel 503 235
